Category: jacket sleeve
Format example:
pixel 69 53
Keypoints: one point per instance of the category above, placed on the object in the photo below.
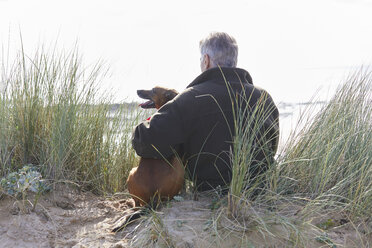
pixel 159 136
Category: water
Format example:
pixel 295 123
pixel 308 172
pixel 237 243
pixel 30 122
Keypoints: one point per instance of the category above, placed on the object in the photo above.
pixel 289 114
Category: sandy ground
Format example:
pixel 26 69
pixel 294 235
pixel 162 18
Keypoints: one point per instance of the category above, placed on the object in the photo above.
pixel 63 218
pixel 66 218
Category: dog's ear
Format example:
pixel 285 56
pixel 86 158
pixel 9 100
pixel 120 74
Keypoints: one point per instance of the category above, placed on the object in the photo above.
pixel 170 95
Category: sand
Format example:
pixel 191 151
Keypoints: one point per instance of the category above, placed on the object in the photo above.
pixel 61 219
pixel 67 218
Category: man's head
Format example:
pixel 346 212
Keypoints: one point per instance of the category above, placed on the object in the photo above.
pixel 218 49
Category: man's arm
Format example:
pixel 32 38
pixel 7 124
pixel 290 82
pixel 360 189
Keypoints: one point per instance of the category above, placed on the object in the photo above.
pixel 158 137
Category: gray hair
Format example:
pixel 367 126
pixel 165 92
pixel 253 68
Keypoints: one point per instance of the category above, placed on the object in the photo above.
pixel 221 48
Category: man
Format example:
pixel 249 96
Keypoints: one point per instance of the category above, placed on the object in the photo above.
pixel 199 123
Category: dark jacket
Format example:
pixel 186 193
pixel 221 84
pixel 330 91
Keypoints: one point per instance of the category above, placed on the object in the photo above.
pixel 199 125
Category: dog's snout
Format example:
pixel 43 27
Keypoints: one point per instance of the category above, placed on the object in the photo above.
pixel 142 94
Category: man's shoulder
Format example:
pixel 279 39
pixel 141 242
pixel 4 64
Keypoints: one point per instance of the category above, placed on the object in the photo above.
pixel 188 93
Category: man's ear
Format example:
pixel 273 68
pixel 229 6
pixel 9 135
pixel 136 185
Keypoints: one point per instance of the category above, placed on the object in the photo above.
pixel 207 61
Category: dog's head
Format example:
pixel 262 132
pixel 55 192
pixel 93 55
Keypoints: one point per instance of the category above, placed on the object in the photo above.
pixel 157 96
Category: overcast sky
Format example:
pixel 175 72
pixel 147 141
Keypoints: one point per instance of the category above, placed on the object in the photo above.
pixel 290 47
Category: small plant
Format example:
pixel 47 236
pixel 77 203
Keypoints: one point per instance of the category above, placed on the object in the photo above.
pixel 326 240
pixel 326 224
pixel 27 179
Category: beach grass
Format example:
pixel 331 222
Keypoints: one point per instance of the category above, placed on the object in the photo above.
pixel 322 175
pixel 54 116
pixel 330 159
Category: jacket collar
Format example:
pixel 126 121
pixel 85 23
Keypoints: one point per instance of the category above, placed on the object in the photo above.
pixel 222 74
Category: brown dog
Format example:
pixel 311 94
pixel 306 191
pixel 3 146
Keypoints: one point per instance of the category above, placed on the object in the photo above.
pixel 155 179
